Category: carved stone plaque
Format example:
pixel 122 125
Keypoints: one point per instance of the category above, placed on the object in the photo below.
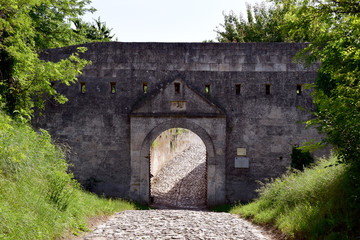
pixel 178 105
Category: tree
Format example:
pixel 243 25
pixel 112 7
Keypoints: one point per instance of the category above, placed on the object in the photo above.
pixel 333 29
pixel 263 24
pixel 51 22
pixel 96 31
pixel 27 27
pixel 335 32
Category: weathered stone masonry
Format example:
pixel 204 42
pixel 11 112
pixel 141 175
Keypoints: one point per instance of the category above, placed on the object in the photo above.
pixel 241 99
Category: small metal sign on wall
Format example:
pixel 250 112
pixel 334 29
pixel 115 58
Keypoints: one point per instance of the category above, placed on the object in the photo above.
pixel 241 161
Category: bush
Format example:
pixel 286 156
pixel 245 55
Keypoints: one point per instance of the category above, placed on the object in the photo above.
pixel 300 159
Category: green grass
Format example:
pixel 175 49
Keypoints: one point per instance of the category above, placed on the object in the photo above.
pixel 38 197
pixel 322 202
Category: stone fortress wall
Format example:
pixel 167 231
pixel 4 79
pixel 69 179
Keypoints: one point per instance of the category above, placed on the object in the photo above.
pixel 241 99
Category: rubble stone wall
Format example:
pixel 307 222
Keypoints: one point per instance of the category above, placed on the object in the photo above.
pixel 242 99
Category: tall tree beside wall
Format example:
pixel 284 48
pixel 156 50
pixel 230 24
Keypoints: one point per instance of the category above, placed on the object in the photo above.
pixel 333 29
pixel 262 24
pixel 334 26
pixel 26 27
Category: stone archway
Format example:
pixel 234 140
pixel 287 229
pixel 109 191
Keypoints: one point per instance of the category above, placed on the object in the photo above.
pixel 144 131
pixel 178 170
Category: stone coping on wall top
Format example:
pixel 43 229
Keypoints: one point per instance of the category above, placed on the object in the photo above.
pixel 189 45
pixel 178 115
pixel 208 57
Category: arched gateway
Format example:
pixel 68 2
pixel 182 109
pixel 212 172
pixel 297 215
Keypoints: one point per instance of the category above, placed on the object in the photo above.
pixel 241 99
pixel 197 114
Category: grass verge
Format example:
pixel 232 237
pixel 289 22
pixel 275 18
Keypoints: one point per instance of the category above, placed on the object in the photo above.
pixel 322 202
pixel 38 197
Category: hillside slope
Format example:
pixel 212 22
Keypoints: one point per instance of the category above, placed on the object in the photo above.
pixel 38 197
pixel 322 202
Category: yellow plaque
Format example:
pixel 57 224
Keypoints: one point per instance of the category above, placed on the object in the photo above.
pixel 241 151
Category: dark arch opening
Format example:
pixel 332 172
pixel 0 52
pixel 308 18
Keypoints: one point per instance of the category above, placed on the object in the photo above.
pixel 178 170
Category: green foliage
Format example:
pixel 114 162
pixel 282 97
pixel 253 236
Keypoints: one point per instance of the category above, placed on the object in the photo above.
pixel 300 158
pixel 221 208
pixel 319 203
pixel 333 28
pixel 178 131
pixel 263 24
pixel 51 22
pixel 96 31
pixel 27 27
pixel 59 190
pixel 155 144
pixel 335 34
pixel 38 198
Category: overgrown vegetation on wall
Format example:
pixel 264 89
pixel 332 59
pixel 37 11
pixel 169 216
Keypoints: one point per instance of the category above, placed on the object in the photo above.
pixel 38 197
pixel 321 202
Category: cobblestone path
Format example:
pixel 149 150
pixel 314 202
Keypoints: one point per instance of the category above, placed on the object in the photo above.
pixel 181 183
pixel 176 224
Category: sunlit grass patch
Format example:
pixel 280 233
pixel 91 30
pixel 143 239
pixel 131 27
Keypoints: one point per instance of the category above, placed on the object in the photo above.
pixel 318 203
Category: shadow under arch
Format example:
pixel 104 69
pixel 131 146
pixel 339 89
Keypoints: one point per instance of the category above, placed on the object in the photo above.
pixel 141 166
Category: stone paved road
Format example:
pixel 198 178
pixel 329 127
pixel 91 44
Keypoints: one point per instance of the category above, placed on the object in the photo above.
pixel 181 183
pixel 178 185
pixel 175 224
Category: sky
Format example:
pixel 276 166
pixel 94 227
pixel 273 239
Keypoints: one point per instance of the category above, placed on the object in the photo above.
pixel 165 20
